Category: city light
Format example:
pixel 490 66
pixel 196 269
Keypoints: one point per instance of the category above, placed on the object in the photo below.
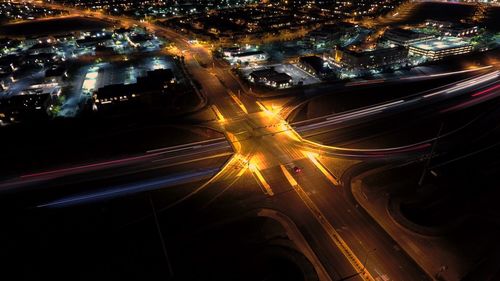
pixel 284 140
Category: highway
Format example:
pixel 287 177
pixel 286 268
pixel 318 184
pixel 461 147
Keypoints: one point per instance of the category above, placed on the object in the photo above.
pixel 258 155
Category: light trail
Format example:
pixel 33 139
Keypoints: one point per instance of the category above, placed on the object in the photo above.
pixel 186 146
pixel 226 173
pixel 128 189
pixel 372 110
pixel 486 91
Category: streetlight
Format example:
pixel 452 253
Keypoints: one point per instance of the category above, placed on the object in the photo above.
pixel 366 258
pixel 363 270
pixel 426 167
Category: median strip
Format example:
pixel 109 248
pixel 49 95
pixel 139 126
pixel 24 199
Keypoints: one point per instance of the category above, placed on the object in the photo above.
pixel 260 178
pixel 238 102
pixel 322 168
pixel 218 113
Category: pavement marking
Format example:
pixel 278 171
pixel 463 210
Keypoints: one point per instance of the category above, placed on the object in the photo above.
pixel 262 106
pixel 240 173
pixel 329 229
pixel 218 113
pixel 322 168
pixel 238 102
pixel 260 178
pixel 215 177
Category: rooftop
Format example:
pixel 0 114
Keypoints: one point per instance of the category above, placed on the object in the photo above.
pixel 250 53
pixel 404 33
pixel 315 62
pixel 442 43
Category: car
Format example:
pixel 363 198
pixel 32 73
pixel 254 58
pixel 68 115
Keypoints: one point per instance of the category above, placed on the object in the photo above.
pixel 297 170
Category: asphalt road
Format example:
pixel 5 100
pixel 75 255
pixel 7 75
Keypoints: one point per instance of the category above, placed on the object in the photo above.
pixel 267 149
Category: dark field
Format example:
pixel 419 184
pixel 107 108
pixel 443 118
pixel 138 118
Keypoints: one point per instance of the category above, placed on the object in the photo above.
pixel 52 26
pixel 452 12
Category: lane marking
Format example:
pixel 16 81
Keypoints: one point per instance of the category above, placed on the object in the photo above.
pixel 240 173
pixel 218 113
pixel 322 168
pixel 258 175
pixel 329 229
pixel 262 106
pixel 238 102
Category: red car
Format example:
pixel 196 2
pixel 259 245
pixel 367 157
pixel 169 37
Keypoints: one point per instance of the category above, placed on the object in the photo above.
pixel 297 170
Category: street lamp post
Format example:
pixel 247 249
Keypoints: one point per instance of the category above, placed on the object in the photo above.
pixel 366 259
pixel 163 245
pixel 424 172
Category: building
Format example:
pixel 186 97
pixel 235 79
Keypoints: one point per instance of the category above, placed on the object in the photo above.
pixel 32 102
pixel 41 59
pixel 41 48
pixel 52 89
pixel 324 36
pixel 440 48
pixel 260 76
pixel 270 77
pixel 89 41
pixel 314 65
pixel 438 23
pixel 55 74
pixel 247 57
pixel 279 80
pixel 104 51
pixel 372 58
pixel 230 51
pixel 155 82
pixel 18 107
pixel 405 37
pixel 452 29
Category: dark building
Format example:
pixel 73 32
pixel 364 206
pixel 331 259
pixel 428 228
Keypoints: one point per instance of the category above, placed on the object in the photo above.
pixel 40 48
pixel 314 65
pixel 20 107
pixel 55 74
pixel 9 63
pixel 104 50
pixel 453 29
pixel 371 59
pixel 93 40
pixel 155 83
pixel 405 37
pixel 280 80
pixel 271 77
pixel 42 58
pixel 259 76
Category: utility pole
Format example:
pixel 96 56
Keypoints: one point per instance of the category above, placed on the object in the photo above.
pixel 366 258
pixel 362 272
pixel 424 172
pixel 163 246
